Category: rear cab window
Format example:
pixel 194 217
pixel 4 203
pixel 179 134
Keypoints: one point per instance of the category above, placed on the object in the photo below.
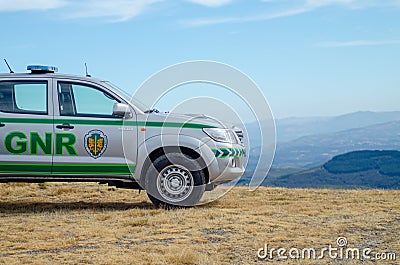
pixel 25 97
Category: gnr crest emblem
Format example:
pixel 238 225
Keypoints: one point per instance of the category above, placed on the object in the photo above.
pixel 95 143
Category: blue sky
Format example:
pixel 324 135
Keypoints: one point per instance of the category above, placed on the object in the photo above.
pixel 311 58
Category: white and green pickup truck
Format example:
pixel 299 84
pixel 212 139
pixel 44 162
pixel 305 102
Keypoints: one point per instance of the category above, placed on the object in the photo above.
pixel 67 128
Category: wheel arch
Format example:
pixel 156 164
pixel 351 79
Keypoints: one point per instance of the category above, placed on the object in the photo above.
pixel 154 149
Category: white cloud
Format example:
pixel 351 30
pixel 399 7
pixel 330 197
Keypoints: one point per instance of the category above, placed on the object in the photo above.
pixel 267 16
pixel 22 5
pixel 299 7
pixel 115 11
pixel 357 43
pixel 352 4
pixel 319 3
pixel 123 10
pixel 211 3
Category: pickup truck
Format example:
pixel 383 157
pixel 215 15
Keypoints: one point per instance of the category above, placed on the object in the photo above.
pixel 67 128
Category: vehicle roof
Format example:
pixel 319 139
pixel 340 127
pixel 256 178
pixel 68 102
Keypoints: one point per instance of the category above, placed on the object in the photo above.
pixel 50 75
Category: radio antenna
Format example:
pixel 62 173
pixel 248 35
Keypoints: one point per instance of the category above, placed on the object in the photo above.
pixel 87 74
pixel 9 68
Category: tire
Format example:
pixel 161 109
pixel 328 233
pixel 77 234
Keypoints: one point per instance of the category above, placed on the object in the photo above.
pixel 172 184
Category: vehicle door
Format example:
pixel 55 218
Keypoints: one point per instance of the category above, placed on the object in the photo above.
pixel 26 126
pixel 88 135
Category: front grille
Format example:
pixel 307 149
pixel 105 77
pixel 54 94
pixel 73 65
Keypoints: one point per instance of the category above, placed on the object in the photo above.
pixel 239 134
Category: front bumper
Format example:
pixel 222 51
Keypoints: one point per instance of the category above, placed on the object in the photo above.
pixel 227 172
pixel 224 161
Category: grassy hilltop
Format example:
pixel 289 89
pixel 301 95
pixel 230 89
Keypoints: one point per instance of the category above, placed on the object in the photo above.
pixel 91 224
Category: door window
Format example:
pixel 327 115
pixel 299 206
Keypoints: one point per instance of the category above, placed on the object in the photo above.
pixel 83 100
pixel 23 97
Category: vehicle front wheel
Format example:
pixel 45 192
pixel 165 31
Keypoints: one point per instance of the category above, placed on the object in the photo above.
pixel 175 180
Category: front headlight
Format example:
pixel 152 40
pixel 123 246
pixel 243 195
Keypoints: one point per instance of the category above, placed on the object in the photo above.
pixel 221 135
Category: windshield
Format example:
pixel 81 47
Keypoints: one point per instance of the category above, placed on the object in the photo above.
pixel 131 99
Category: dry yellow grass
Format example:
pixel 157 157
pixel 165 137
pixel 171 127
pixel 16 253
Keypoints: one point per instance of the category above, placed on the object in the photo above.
pixel 72 223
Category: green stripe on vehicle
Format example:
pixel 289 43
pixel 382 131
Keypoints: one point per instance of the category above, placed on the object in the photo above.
pixel 25 168
pixel 229 152
pixel 107 122
pixel 76 168
pixel 27 120
pixel 170 124
pixel 122 169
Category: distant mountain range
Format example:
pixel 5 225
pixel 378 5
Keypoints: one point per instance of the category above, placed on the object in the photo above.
pixel 313 141
pixel 359 169
pixel 308 142
pixel 310 151
pixel 292 128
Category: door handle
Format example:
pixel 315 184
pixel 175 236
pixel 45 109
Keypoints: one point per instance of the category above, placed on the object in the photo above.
pixel 64 126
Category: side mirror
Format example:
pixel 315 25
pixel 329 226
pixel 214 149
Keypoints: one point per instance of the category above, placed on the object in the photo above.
pixel 121 110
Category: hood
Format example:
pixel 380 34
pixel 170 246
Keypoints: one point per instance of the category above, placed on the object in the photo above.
pixel 188 118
